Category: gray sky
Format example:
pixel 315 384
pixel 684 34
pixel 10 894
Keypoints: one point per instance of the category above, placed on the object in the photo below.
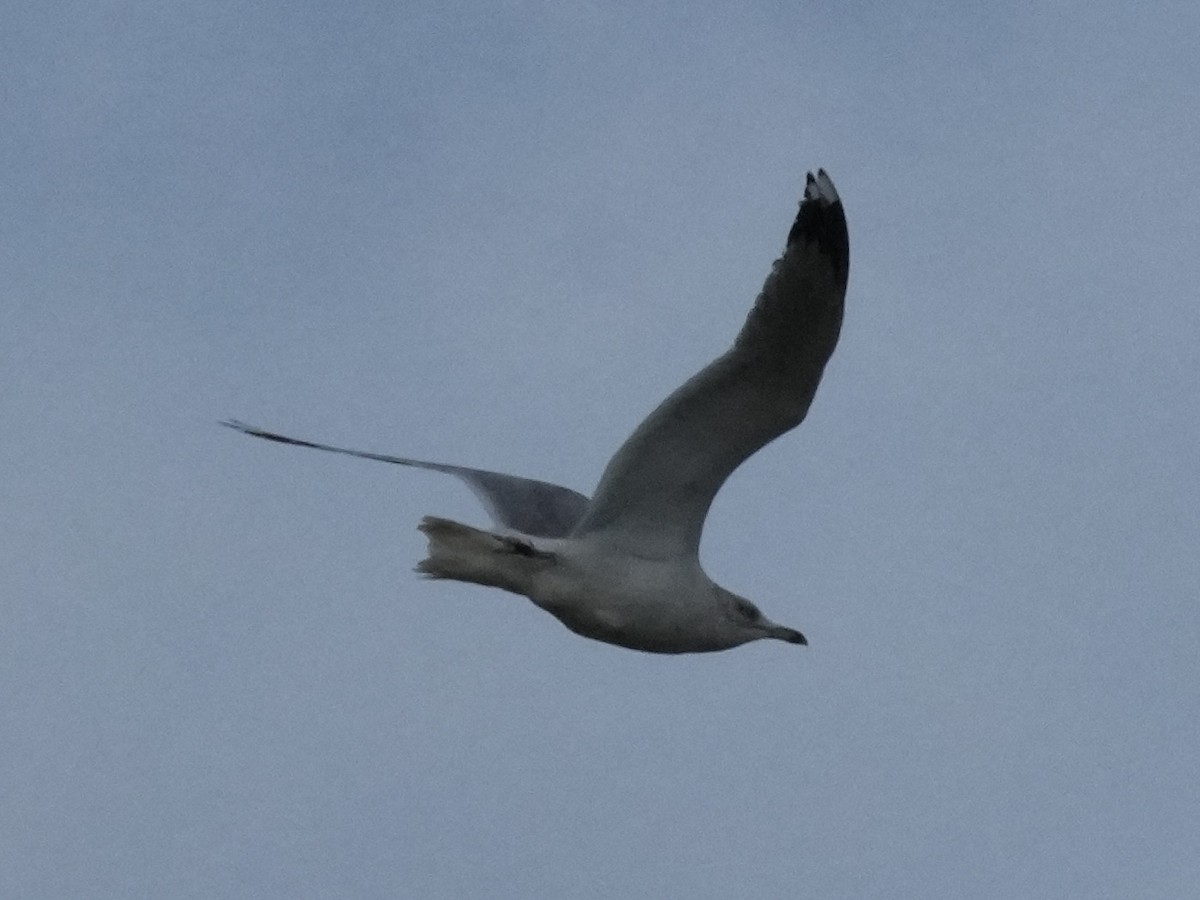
pixel 498 235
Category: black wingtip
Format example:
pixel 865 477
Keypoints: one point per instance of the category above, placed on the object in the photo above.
pixel 266 435
pixel 238 425
pixel 822 220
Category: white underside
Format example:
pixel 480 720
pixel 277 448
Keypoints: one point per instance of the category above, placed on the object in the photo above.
pixel 661 606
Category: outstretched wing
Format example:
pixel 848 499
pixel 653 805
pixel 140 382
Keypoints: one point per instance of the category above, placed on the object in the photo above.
pixel 656 490
pixel 535 508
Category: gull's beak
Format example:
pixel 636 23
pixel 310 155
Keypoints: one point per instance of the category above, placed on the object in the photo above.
pixel 791 635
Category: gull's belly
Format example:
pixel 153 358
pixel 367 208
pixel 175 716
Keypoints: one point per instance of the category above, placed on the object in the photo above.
pixel 640 604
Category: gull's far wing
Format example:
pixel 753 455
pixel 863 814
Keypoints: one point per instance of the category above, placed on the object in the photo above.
pixel 535 508
pixel 656 490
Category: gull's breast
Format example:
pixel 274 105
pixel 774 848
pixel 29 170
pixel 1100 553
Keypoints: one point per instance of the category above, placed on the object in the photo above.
pixel 653 605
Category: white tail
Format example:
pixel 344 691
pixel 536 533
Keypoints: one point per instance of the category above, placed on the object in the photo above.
pixel 462 553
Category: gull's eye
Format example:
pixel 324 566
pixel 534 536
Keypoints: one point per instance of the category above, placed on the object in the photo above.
pixel 748 609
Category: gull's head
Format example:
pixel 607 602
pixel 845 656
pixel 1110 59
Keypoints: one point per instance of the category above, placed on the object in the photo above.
pixel 749 620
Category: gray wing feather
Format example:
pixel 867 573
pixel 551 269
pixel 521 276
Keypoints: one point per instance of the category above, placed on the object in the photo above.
pixel 657 489
pixel 535 508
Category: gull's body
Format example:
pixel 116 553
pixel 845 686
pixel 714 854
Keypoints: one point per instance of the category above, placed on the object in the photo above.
pixel 663 605
pixel 623 567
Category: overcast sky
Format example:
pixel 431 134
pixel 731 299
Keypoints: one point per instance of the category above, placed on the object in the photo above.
pixel 498 235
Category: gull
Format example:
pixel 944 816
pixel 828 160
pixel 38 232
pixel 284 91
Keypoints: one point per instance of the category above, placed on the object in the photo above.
pixel 623 567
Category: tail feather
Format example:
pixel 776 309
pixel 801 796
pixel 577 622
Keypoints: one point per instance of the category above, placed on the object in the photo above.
pixel 461 553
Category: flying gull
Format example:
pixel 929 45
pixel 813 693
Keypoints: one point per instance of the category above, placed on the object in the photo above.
pixel 623 567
